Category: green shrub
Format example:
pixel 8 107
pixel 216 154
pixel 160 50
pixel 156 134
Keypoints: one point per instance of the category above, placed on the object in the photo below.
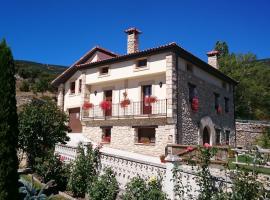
pixel 25 86
pixel 104 187
pixel 84 170
pixel 41 125
pixel 51 168
pixel 138 188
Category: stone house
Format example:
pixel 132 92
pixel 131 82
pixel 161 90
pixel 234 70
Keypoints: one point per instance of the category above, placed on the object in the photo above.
pixel 143 100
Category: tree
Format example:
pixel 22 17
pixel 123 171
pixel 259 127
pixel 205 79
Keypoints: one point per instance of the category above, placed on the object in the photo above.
pixel 252 97
pixel 85 170
pixel 8 126
pixel 222 47
pixel 41 125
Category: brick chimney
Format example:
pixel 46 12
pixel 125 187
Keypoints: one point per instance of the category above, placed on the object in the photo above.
pixel 132 40
pixel 213 58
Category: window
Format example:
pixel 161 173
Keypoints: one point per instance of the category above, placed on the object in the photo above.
pixel 72 87
pixel 106 134
pixel 141 63
pixel 227 137
pixel 218 137
pixel 226 104
pixel 104 70
pixel 224 84
pixel 189 67
pixel 146 135
pixel 80 85
pixel 216 101
pixel 192 92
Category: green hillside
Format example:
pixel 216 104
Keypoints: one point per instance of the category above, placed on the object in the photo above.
pixel 35 76
pixel 35 66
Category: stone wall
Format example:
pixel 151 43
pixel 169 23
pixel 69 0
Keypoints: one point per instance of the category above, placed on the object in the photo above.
pixel 247 131
pixel 125 138
pixel 190 121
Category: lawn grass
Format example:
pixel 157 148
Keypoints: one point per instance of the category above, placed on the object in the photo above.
pixel 250 168
pixel 58 197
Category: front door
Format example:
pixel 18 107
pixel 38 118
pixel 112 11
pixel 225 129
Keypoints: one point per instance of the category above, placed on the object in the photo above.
pixel 146 92
pixel 108 97
pixel 206 136
pixel 74 120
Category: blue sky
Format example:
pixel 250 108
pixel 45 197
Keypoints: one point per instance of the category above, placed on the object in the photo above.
pixel 61 31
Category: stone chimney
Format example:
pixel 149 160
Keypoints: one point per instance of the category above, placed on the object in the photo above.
pixel 213 58
pixel 132 40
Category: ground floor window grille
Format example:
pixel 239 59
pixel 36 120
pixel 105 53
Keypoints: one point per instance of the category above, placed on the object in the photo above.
pixel 146 135
pixel 106 134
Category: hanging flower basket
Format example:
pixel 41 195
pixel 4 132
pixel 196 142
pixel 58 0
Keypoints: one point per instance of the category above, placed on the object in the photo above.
pixel 87 105
pixel 124 103
pixel 195 104
pixel 105 105
pixel 219 109
pixel 150 99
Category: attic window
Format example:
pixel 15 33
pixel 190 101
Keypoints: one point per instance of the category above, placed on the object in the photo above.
pixel 189 67
pixel 141 63
pixel 72 87
pixel 104 70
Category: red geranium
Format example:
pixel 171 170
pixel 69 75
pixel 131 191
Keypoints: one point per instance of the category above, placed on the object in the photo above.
pixel 124 103
pixel 105 105
pixel 195 104
pixel 206 145
pixel 189 148
pixel 150 99
pixel 87 105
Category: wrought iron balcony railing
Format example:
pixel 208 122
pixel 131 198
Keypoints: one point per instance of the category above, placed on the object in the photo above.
pixel 134 109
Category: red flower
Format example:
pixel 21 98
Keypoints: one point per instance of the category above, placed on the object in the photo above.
pixel 125 103
pixel 206 145
pixel 189 148
pixel 87 105
pixel 105 105
pixel 195 104
pixel 150 99
pixel 219 109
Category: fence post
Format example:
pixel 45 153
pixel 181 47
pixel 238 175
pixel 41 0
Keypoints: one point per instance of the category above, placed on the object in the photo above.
pixel 171 160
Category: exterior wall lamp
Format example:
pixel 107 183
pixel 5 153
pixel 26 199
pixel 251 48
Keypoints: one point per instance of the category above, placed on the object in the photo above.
pixel 160 84
pixel 95 93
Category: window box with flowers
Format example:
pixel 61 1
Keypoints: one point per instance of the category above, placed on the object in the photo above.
pixel 150 99
pixel 195 104
pixel 87 105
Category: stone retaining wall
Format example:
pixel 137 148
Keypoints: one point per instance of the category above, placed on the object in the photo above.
pixel 248 131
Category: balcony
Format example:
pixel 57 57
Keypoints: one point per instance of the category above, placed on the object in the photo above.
pixel 138 109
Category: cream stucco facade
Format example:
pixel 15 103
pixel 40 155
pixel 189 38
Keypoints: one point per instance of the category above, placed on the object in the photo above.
pixel 170 119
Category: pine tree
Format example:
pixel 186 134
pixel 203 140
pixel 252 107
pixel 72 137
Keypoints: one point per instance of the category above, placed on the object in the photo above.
pixel 8 126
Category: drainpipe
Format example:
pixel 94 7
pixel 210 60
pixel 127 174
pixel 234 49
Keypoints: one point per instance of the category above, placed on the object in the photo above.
pixel 235 145
pixel 178 139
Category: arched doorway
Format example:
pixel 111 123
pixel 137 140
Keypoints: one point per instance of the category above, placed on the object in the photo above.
pixel 206 131
pixel 206 136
